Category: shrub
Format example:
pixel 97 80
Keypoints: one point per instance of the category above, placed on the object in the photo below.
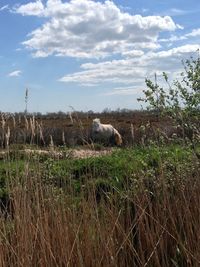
pixel 180 100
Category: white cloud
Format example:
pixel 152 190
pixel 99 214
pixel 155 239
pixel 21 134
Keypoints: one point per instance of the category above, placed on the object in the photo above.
pixel 178 51
pixel 133 53
pixel 173 38
pixel 194 33
pixel 187 36
pixel 30 9
pixel 132 71
pixel 116 71
pixel 124 91
pixel 89 29
pixel 15 73
pixel 4 7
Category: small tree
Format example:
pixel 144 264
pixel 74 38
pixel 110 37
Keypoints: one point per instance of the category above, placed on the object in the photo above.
pixel 179 100
pixel 155 96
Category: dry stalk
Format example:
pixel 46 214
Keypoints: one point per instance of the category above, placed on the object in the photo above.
pixel 63 138
pixel 41 133
pixel 26 123
pixel 14 121
pixel 7 135
pixel 51 144
pixel 71 118
pixel 33 127
pixel 132 133
pixel 3 124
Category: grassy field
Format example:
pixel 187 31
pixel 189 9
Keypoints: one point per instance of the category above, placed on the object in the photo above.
pixel 137 206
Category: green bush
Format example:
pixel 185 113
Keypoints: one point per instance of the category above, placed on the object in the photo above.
pixel 180 100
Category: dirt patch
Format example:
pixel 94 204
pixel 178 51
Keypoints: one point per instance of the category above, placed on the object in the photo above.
pixel 72 153
pixel 82 153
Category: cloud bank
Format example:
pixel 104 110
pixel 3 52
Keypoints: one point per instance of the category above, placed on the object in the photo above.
pixel 131 70
pixel 88 29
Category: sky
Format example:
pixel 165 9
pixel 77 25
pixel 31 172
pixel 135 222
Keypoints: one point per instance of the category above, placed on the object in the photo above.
pixel 91 55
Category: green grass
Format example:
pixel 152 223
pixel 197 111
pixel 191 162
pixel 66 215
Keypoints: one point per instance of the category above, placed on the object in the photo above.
pixel 122 170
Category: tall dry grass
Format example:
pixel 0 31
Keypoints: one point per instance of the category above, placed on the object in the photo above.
pixel 45 225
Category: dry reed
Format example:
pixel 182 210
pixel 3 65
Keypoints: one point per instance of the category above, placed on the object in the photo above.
pixel 47 227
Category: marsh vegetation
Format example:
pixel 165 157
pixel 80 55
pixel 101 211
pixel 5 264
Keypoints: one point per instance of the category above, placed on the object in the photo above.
pixel 134 205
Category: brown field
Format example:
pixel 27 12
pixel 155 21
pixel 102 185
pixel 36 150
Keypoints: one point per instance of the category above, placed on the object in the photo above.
pixel 74 128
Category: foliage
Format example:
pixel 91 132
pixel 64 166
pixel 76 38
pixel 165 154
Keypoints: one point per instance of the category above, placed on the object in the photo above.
pixel 123 170
pixel 180 100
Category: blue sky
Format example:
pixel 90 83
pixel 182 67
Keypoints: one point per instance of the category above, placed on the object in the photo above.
pixel 89 54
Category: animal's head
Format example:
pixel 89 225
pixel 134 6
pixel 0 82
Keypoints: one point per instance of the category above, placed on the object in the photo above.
pixel 96 121
pixel 96 125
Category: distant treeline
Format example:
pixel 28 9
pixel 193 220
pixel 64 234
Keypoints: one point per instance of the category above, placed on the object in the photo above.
pixel 62 114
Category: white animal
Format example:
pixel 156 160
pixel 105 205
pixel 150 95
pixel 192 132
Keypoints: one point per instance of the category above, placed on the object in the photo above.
pixel 105 133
